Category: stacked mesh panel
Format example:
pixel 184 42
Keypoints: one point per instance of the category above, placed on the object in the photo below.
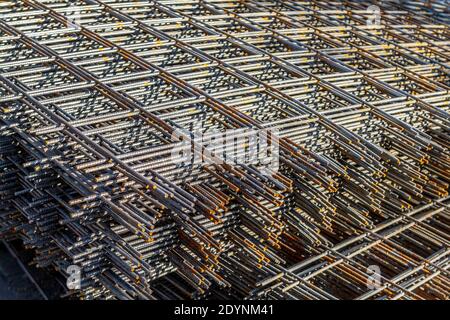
pixel 91 93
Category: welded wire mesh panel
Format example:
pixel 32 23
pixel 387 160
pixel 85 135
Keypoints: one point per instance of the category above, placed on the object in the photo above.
pixel 135 139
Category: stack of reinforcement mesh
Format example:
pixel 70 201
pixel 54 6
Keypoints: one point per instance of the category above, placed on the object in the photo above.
pixel 92 92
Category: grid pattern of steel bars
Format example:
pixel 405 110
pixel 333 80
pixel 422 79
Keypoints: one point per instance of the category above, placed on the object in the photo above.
pixel 91 93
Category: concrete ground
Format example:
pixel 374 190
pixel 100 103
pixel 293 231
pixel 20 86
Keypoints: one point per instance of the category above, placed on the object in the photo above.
pixel 14 283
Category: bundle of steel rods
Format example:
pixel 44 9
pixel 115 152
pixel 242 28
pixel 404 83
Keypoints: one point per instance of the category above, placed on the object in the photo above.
pixel 356 93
